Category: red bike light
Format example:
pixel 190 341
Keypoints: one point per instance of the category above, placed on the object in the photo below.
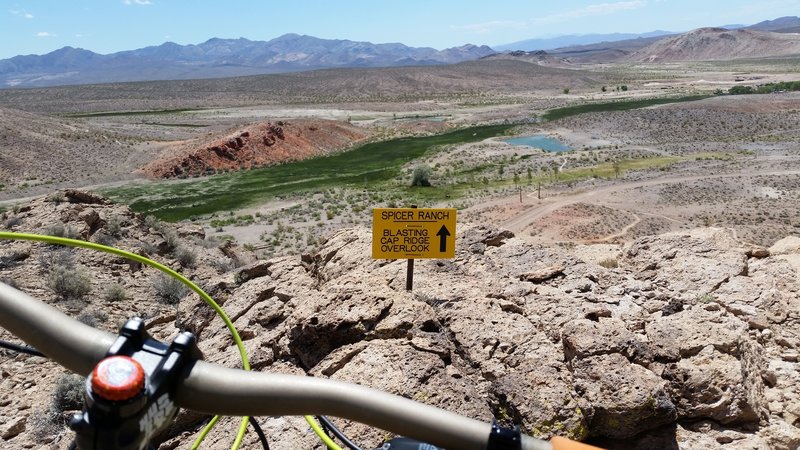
pixel 117 378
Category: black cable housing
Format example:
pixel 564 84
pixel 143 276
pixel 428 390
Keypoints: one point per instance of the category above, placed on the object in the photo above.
pixel 20 348
pixel 261 436
pixel 328 425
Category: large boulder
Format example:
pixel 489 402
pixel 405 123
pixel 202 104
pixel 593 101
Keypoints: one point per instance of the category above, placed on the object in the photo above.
pixel 687 332
pixel 710 385
pixel 689 263
pixel 626 398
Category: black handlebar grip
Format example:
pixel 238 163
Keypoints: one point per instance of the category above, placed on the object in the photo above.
pixel 407 444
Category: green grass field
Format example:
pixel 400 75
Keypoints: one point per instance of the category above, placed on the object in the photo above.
pixel 368 166
pixel 623 105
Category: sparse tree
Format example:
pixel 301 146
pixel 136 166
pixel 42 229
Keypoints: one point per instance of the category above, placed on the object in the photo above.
pixel 421 176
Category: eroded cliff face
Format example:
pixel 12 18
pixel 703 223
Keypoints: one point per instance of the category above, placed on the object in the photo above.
pixel 690 342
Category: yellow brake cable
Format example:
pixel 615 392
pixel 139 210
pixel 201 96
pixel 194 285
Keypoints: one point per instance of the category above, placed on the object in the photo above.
pixel 203 295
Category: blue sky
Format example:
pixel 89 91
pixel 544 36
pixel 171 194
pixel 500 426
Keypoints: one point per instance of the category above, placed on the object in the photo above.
pixel 106 26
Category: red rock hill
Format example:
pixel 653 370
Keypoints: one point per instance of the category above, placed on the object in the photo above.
pixel 259 145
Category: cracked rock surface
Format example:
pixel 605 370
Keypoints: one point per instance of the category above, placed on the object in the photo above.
pixel 691 342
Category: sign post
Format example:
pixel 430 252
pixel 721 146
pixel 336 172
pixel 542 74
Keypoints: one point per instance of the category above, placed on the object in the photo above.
pixel 411 233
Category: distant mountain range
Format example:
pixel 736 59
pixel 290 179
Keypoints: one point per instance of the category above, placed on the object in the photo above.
pixel 621 50
pixel 625 41
pixel 219 58
pixel 530 45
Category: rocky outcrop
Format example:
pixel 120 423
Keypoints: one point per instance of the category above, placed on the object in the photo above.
pixel 691 342
pixel 646 352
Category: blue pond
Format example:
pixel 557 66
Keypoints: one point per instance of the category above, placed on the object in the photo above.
pixel 538 141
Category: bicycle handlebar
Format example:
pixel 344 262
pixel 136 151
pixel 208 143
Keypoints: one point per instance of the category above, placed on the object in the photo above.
pixel 209 388
pixel 74 345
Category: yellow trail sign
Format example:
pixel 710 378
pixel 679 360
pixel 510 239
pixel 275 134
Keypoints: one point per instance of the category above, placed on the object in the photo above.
pixel 410 233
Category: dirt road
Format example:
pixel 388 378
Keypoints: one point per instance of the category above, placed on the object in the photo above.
pixel 595 196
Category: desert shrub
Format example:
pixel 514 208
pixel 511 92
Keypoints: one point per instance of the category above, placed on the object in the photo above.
pixel 741 90
pixel 147 248
pixel 185 256
pixel 58 256
pixel 114 226
pixel 103 238
pixel 223 264
pixel 609 263
pixel 92 318
pixel 60 230
pixel 115 292
pixel 11 222
pixel 56 197
pixel 171 237
pixel 68 282
pixel 169 290
pixel 68 394
pixel 421 176
pixel 208 242
pixel 152 222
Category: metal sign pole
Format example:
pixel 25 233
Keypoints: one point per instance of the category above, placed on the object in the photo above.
pixel 410 275
pixel 410 269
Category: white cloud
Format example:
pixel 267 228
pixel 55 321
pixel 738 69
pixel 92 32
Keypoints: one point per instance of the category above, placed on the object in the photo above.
pixel 137 2
pixel 600 9
pixel 23 14
pixel 45 34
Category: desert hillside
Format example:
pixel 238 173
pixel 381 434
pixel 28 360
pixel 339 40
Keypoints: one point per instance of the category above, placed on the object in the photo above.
pixel 686 338
pixel 37 149
pixel 391 84
pixel 711 44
